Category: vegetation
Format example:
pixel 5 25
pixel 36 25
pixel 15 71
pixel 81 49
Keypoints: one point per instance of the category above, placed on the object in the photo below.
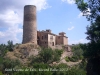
pixel 92 52
pixel 77 53
pixel 67 59
pixel 47 55
pixel 40 64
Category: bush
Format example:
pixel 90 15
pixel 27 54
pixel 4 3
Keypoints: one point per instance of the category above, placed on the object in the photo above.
pixel 77 52
pixel 81 57
pixel 8 63
pixel 35 59
pixel 57 54
pixel 73 58
pixel 41 66
pixel 46 55
pixel 76 71
pixel 67 59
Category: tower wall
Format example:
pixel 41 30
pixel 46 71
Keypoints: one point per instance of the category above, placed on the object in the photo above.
pixel 29 25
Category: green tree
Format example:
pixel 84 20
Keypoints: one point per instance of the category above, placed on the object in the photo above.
pixel 3 49
pixel 77 53
pixel 57 54
pixel 93 32
pixel 10 45
pixel 40 67
pixel 46 55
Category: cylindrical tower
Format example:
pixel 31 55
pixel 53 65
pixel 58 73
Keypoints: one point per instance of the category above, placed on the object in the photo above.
pixel 29 25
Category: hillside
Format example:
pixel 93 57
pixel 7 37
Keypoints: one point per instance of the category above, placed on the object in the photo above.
pixel 29 56
pixel 24 51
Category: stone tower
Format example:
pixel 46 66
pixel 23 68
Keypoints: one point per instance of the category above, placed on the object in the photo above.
pixel 29 25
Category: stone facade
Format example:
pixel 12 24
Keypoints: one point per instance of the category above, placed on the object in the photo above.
pixel 48 39
pixel 29 25
pixel 61 39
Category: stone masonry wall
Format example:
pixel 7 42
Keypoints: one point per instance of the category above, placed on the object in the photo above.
pixel 29 25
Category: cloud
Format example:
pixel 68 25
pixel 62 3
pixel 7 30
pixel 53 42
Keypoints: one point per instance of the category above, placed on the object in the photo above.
pixel 81 13
pixel 78 41
pixel 71 28
pixel 10 21
pixel 10 34
pixel 19 4
pixel 11 18
pixel 69 1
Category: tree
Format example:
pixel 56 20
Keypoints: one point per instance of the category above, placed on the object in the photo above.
pixel 93 32
pixel 10 45
pixel 46 55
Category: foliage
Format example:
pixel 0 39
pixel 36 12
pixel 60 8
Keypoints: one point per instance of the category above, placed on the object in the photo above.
pixel 10 45
pixel 93 32
pixel 60 69
pixel 57 54
pixel 93 5
pixel 66 70
pixel 3 50
pixel 77 53
pixel 35 59
pixel 47 55
pixel 76 71
pixel 74 58
pixel 9 64
pixel 83 64
pixel 67 59
pixel 40 67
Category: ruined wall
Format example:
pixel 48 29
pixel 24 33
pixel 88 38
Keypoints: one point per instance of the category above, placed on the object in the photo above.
pixel 29 25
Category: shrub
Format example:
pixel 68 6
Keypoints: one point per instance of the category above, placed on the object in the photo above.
pixel 81 57
pixel 46 55
pixel 35 59
pixel 67 59
pixel 73 58
pixel 76 71
pixel 57 54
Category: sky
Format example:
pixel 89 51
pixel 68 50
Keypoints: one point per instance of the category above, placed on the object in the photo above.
pixel 57 15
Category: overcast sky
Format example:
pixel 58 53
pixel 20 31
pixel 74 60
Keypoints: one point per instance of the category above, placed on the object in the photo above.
pixel 57 15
